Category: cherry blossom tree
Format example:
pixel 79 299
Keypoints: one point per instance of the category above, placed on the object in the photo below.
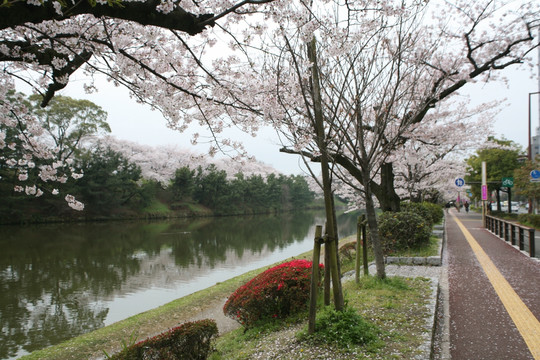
pixel 376 74
pixel 420 55
pixel 156 49
pixel 433 157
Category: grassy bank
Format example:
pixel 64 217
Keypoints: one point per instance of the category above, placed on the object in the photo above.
pixel 143 325
pixel 395 306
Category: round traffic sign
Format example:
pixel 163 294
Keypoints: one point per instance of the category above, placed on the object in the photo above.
pixel 535 174
pixel 460 182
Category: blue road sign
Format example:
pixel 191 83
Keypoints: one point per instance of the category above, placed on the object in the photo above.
pixel 460 182
pixel 535 174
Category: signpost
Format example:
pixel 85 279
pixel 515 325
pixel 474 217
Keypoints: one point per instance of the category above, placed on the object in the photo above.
pixel 535 176
pixel 484 192
pixel 508 182
pixel 459 183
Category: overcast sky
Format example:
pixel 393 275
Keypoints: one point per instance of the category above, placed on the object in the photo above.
pixel 135 122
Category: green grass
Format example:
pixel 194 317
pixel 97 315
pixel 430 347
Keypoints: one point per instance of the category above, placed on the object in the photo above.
pixel 157 208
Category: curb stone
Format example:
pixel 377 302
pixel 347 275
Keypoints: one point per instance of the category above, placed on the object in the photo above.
pixel 438 230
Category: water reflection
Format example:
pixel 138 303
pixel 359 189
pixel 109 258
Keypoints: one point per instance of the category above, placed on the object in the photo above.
pixel 60 281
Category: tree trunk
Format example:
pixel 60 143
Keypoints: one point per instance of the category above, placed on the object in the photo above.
pixel 325 172
pixel 374 231
pixel 388 199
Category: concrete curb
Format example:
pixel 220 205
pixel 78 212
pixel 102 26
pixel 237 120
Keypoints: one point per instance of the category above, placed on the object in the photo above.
pixel 438 230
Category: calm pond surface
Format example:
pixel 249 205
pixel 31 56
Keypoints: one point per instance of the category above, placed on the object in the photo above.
pixel 58 281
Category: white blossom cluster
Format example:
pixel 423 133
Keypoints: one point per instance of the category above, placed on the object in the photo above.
pixel 159 163
pixel 29 148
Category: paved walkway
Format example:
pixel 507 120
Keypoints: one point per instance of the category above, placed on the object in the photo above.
pixel 493 294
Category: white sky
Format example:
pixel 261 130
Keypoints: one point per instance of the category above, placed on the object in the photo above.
pixel 136 122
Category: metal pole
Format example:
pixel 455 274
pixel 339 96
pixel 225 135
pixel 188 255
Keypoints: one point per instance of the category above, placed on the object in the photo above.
pixel 484 183
pixel 529 152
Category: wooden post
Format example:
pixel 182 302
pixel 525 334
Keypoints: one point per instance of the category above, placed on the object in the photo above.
pixel 358 244
pixel 336 281
pixel 361 240
pixel 365 245
pixel 327 278
pixel 314 279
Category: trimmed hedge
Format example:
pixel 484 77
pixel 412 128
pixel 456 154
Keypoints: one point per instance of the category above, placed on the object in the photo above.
pixel 436 212
pixel 432 213
pixel 189 341
pixel 532 220
pixel 402 230
pixel 276 293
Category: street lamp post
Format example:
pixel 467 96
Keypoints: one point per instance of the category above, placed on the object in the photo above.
pixel 529 153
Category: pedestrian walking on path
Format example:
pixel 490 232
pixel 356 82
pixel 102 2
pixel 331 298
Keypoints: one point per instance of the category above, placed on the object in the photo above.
pixel 494 294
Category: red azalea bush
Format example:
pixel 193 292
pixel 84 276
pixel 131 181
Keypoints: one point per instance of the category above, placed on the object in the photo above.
pixel 190 341
pixel 276 293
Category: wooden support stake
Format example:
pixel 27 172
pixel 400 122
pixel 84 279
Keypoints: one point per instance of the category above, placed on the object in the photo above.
pixel 365 245
pixel 358 244
pixel 314 279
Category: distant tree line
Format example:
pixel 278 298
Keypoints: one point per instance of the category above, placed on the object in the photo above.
pixel 111 185
pixel 76 162
pixel 254 194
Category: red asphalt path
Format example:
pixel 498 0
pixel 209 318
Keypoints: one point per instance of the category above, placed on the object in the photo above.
pixel 480 325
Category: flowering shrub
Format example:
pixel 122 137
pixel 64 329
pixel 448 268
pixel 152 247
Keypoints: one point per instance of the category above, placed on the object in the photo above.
pixel 276 293
pixel 402 230
pixel 191 340
pixel 347 251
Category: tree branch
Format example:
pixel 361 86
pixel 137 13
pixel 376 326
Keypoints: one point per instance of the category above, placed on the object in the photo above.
pixel 144 13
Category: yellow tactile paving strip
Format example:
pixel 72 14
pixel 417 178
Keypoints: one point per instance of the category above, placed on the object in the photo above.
pixel 525 321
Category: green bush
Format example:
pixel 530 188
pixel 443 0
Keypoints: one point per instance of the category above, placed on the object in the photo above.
pixel 436 212
pixel 342 328
pixel 532 220
pixel 189 341
pixel 276 293
pixel 402 230
pixel 432 213
pixel 348 251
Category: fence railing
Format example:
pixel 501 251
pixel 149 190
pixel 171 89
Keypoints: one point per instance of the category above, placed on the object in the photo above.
pixel 511 232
